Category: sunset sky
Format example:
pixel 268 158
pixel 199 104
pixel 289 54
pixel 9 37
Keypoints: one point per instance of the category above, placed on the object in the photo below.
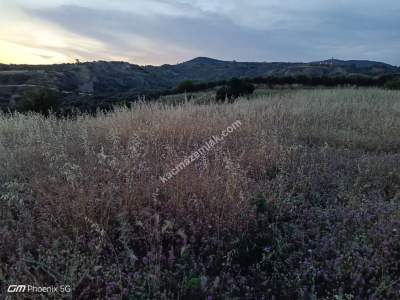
pixel 171 31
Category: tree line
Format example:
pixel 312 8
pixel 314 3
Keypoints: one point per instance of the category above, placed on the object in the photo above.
pixel 388 81
pixel 231 89
pixel 44 100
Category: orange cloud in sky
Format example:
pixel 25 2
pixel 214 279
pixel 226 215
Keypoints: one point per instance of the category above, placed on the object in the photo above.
pixel 12 53
pixel 28 40
pixel 24 39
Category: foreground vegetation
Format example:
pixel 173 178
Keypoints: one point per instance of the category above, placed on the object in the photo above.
pixel 303 202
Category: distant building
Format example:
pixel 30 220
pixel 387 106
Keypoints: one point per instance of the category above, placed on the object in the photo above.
pixel 329 62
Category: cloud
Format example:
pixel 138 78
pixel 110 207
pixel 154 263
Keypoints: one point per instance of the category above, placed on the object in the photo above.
pixel 168 31
pixel 25 39
pixel 148 8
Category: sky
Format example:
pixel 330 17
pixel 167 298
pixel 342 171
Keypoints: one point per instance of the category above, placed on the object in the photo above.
pixel 171 31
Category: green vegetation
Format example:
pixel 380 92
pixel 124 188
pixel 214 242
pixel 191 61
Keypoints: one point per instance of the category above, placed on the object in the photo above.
pixel 393 84
pixel 39 100
pixel 302 202
pixel 186 86
pixel 92 85
pixel 234 89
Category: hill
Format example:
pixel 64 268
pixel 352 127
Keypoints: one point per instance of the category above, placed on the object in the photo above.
pixel 116 79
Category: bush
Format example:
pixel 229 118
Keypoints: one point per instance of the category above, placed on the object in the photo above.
pixel 235 89
pixel 186 86
pixel 39 100
pixel 222 94
pixel 393 84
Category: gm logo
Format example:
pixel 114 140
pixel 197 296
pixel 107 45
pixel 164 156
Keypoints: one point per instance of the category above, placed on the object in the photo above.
pixel 16 288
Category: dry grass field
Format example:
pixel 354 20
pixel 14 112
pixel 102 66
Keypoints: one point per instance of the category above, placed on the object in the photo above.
pixel 301 202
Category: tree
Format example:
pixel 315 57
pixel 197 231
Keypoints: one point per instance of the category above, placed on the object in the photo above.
pixel 235 89
pixel 40 100
pixel 393 84
pixel 186 86
pixel 303 79
pixel 223 94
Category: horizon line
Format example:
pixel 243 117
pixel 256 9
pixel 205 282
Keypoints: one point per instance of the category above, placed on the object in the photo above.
pixel 78 61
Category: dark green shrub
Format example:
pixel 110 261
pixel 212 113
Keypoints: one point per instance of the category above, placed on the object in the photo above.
pixel 186 86
pixel 303 79
pixel 393 84
pixel 240 87
pixel 223 94
pixel 235 89
pixel 39 100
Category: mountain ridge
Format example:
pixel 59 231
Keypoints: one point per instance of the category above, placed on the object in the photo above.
pixel 202 59
pixel 115 78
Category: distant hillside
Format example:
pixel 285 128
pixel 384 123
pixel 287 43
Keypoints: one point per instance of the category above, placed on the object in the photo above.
pixel 111 78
